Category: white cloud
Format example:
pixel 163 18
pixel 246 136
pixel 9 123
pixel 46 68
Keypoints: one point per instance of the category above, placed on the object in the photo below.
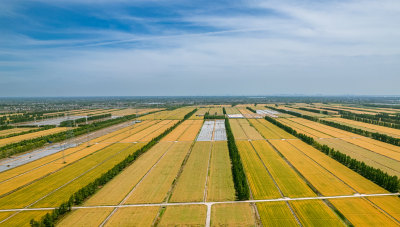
pixel 309 48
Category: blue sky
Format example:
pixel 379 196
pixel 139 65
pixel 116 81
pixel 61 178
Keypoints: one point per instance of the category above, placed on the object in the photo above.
pixel 121 47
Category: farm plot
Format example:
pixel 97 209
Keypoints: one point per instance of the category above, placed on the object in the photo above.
pixel 85 217
pixel 191 132
pixel 64 193
pixel 232 110
pixel 315 213
pixel 234 214
pixel 22 175
pixel 133 216
pixel 7 132
pixel 368 127
pixel 303 129
pixel 276 214
pixel 360 213
pixel 248 114
pixel 25 217
pixel 70 155
pixel 191 184
pixel 351 178
pixel 250 132
pixel 237 130
pixel 155 186
pixel 49 186
pixel 220 184
pixel 215 111
pixel 32 135
pixel 287 179
pixel 176 114
pixel 307 113
pixel 369 157
pixel 199 114
pixel 370 144
pixel 260 182
pixel 147 133
pixel 268 130
pixel 115 191
pixel 38 189
pixel 191 215
pixel 334 132
pixel 175 134
pixel 322 180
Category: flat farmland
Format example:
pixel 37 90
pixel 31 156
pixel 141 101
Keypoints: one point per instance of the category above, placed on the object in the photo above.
pixel 133 216
pixel 268 130
pixel 7 132
pixel 115 191
pixel 220 184
pixel 237 130
pixel 360 213
pixel 190 215
pixel 386 155
pixel 371 158
pixel 68 179
pixel 393 152
pixel 22 175
pixel 32 135
pixel 187 131
pixel 234 214
pixel 191 132
pixel 25 217
pixel 303 129
pixel 85 217
pixel 276 214
pixel 64 193
pixel 232 110
pixel 321 179
pixel 215 111
pixel 315 213
pixel 176 114
pixel 368 127
pixel 261 184
pixel 154 187
pixel 191 184
pixel 242 130
pixel 351 178
pixel 287 179
pixel 147 133
pixel 199 114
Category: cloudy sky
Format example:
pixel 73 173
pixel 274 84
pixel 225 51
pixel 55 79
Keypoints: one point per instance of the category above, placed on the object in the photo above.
pixel 182 47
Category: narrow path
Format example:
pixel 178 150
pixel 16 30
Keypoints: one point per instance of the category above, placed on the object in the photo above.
pixel 211 203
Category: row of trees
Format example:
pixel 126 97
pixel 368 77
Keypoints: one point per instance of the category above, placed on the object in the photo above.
pixel 239 177
pixel 251 109
pixel 390 183
pixel 378 136
pixel 82 194
pixel 71 123
pixel 29 131
pixel 379 119
pixel 17 118
pixel 314 110
pixel 209 116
